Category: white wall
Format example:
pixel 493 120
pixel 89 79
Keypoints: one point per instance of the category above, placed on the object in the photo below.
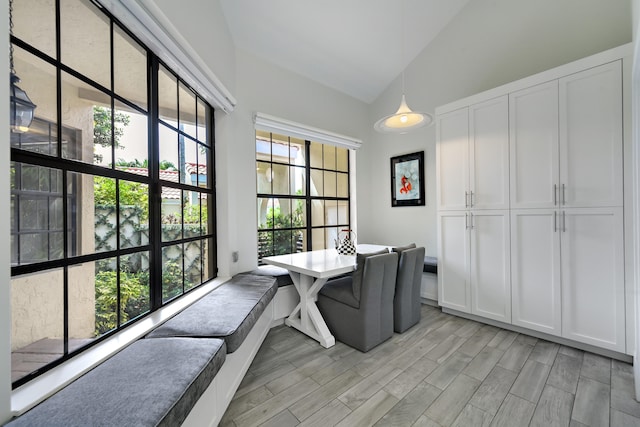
pixel 257 86
pixel 267 88
pixel 635 4
pixel 490 43
pixel 202 24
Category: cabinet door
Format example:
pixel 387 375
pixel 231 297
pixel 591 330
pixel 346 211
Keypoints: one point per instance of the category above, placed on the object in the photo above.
pixel 534 151
pixel 535 270
pixel 591 137
pixel 592 247
pixel 453 260
pixel 452 159
pixel 489 154
pixel 490 264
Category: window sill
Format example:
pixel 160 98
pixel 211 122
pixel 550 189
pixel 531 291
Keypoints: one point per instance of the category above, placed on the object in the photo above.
pixel 27 396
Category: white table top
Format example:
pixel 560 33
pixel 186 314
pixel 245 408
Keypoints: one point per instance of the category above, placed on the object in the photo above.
pixel 323 263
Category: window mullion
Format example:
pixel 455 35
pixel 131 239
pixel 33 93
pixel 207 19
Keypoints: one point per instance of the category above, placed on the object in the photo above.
pixel 155 189
pixel 54 154
pixel 307 172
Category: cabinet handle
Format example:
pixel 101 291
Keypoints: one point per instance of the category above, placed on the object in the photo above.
pixel 471 202
pixel 471 221
pixel 564 222
pixel 555 194
pixel 466 199
pixel 555 221
pixel 564 196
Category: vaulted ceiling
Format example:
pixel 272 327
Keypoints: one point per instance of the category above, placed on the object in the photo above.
pixel 357 47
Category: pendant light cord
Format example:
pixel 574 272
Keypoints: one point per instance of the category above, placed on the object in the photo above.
pixel 402 53
pixel 13 71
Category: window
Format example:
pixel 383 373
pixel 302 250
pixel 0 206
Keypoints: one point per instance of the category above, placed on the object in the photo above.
pixel 112 197
pixel 303 194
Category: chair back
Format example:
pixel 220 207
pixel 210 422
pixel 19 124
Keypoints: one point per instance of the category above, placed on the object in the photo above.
pixel 378 288
pixel 366 320
pixel 407 295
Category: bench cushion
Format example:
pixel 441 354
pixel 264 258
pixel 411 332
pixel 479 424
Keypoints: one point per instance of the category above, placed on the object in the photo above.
pixel 281 274
pixel 227 312
pixel 149 383
pixel 430 265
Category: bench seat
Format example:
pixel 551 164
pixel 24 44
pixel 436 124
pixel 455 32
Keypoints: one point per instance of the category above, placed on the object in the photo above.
pixel 149 383
pixel 430 265
pixel 228 312
pixel 281 274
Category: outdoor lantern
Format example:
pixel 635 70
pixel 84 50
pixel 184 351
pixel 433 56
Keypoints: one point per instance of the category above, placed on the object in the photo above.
pixel 20 107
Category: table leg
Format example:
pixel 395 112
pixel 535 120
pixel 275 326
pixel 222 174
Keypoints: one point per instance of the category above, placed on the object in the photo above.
pixel 306 317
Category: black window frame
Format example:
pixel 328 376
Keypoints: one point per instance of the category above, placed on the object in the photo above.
pixel 68 166
pixel 307 198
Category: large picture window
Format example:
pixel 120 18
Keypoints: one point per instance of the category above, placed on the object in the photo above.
pixel 303 194
pixel 112 194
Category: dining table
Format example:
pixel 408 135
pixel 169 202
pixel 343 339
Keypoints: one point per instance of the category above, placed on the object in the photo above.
pixel 309 272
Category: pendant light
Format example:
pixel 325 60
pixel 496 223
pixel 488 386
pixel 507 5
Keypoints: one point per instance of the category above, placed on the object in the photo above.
pixel 20 106
pixel 403 120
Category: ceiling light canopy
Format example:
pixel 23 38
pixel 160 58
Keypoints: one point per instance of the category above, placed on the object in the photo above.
pixel 403 120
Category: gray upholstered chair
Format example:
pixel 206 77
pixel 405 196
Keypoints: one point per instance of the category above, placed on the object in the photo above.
pixel 358 309
pixel 406 302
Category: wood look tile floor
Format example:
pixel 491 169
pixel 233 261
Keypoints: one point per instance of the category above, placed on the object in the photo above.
pixel 445 371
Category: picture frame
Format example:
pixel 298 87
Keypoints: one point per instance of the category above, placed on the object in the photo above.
pixel 407 180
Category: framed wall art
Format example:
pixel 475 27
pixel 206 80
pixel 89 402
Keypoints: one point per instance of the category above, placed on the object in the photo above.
pixel 407 180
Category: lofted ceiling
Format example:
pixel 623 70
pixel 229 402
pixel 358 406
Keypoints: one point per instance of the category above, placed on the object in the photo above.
pixel 353 46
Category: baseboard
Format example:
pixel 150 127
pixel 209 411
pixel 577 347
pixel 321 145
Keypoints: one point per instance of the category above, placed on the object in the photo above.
pixel 428 301
pixel 582 346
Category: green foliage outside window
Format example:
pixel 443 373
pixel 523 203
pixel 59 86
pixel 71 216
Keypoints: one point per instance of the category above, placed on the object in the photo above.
pixel 134 298
pixel 134 280
pixel 102 128
pixel 274 242
pixel 131 194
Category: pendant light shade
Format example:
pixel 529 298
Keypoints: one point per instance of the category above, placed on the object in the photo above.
pixel 403 120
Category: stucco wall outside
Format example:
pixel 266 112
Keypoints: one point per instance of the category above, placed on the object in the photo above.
pixel 36 299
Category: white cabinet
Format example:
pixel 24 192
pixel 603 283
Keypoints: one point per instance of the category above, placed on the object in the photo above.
pixel 592 252
pixel 490 278
pixel 591 137
pixel 473 198
pixel 489 154
pixel 473 157
pixel 530 204
pixel 473 266
pixel 453 260
pixel 567 273
pixel 535 270
pixel 534 147
pixel 452 164
pixel 566 141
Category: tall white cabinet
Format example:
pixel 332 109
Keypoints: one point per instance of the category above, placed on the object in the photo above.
pixel 531 206
pixel 473 201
